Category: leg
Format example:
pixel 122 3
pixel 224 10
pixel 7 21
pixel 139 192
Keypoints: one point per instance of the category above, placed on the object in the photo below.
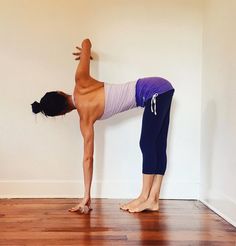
pixel 147 179
pixel 147 184
pixel 161 145
pixel 156 188
pixel 153 136
pixel 152 202
pixel 147 146
pixel 158 167
pixel 151 128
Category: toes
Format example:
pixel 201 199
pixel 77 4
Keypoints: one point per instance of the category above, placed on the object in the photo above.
pixel 132 210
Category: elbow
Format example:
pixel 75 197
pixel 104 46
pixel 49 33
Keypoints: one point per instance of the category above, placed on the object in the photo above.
pixel 88 164
pixel 82 75
pixel 88 159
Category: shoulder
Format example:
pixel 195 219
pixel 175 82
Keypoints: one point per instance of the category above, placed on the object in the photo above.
pixel 88 111
pixel 85 84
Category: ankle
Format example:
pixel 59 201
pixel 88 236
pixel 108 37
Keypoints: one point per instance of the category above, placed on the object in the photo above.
pixel 153 199
pixel 143 197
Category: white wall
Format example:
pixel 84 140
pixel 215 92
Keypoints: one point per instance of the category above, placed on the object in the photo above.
pixel 43 157
pixel 218 162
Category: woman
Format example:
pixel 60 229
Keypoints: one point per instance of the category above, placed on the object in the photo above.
pixel 96 100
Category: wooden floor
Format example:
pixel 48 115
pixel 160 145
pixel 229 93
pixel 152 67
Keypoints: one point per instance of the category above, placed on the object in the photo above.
pixel 47 222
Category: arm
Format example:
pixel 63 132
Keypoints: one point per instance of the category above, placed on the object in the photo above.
pixel 87 131
pixel 83 68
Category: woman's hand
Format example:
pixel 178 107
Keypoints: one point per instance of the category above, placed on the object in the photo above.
pixel 82 207
pixel 77 54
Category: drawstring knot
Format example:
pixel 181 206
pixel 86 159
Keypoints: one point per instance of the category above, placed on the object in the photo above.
pixel 153 101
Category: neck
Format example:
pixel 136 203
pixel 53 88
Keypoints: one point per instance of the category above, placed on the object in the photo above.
pixel 71 103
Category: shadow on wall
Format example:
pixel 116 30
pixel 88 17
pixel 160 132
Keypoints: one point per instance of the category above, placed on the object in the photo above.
pixel 209 121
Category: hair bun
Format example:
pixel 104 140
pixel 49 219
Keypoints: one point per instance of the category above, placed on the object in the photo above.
pixel 36 107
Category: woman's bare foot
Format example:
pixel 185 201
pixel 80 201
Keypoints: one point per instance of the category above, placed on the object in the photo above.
pixel 150 205
pixel 132 204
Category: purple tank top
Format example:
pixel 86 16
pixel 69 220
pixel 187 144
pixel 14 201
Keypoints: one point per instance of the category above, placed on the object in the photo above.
pixel 121 97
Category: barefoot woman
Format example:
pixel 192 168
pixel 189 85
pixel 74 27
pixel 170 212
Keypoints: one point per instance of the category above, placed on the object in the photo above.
pixel 96 100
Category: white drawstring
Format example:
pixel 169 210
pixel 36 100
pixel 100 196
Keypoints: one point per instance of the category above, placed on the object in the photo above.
pixel 154 101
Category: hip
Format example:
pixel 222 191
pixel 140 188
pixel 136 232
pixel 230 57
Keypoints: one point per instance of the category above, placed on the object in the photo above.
pixel 146 88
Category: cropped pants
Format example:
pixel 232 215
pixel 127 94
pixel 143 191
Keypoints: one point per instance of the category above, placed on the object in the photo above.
pixel 153 139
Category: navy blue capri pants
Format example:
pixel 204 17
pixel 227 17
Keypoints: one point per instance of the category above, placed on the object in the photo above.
pixel 153 139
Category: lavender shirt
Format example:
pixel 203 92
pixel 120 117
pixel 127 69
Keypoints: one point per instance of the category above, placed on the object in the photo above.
pixel 118 98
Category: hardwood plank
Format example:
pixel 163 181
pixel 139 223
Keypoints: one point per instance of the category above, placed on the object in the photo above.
pixel 47 222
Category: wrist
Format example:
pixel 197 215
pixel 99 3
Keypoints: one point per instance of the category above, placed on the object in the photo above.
pixel 86 198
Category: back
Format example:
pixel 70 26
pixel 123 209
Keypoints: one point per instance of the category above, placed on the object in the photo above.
pixel 118 98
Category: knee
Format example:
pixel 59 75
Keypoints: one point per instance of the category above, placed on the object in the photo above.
pixel 147 144
pixel 141 144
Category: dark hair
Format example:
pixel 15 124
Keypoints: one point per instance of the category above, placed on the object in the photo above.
pixel 51 104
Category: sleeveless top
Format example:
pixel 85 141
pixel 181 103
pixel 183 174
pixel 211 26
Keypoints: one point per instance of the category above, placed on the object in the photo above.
pixel 118 98
pixel 125 96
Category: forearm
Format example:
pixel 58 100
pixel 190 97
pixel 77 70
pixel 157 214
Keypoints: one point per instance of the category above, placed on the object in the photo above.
pixel 87 131
pixel 88 175
pixel 84 64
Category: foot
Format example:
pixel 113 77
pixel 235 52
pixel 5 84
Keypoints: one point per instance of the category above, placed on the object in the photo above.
pixel 150 205
pixel 132 204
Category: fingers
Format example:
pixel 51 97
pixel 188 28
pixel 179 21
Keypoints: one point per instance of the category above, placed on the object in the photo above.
pixel 79 53
pixel 78 58
pixel 74 209
pixel 81 208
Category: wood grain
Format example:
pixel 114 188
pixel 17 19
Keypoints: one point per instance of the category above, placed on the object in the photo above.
pixel 48 222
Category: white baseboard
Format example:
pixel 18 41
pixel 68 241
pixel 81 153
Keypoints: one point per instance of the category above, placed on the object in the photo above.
pixel 100 189
pixel 221 205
